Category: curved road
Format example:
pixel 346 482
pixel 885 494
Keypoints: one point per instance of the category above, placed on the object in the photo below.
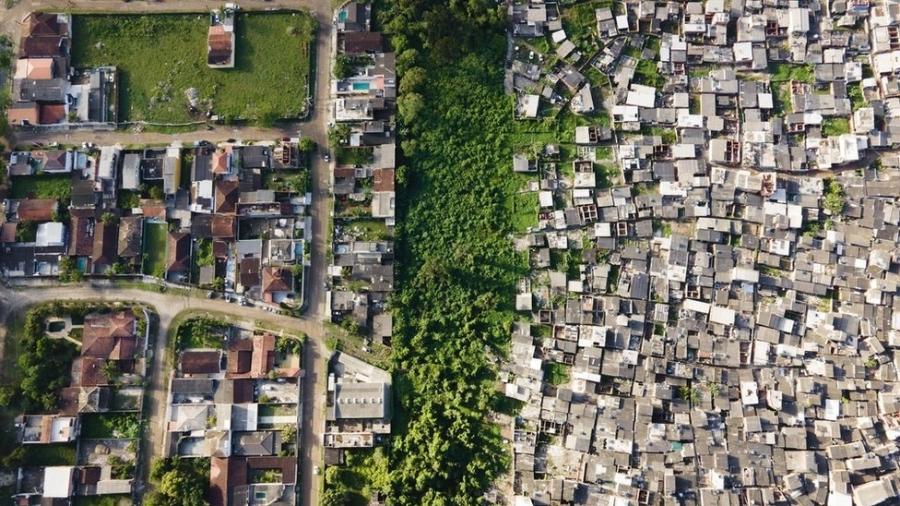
pixel 168 306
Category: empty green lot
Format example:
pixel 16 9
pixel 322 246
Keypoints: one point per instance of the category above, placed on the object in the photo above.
pixel 161 56
pixel 155 235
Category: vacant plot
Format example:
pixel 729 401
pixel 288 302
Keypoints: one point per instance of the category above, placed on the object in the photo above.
pixel 155 248
pixel 110 425
pixel 523 210
pixel 103 500
pixel 49 455
pixel 162 56
pixel 201 333
pixel 42 187
pixel 832 127
pixel 368 229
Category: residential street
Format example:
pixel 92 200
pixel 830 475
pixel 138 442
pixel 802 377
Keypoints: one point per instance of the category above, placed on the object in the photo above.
pixel 168 306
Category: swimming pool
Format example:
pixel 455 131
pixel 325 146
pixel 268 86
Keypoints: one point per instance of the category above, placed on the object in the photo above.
pixel 360 86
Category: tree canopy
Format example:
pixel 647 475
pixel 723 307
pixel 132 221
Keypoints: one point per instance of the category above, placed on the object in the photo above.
pixel 456 266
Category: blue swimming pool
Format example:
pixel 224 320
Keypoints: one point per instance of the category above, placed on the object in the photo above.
pixel 360 86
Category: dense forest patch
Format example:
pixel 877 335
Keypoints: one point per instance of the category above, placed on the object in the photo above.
pixel 456 268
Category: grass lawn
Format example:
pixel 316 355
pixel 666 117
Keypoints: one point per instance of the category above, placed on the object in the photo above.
pixel 49 455
pixel 647 73
pixel 524 209
pixel 201 332
pixel 790 72
pixel 857 99
pixel 580 23
pixel 556 373
pixel 781 98
pixel 160 56
pixel 155 248
pixel 127 199
pixel 277 410
pixel 42 187
pixel 364 473
pixel 607 174
pixel 109 425
pixel 124 402
pixel 354 156
pixel 368 229
pixel 286 180
pixel 103 500
pixel 835 126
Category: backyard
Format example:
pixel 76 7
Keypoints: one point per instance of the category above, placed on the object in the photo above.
pixel 103 500
pixel 155 248
pixel 161 56
pixel 49 455
pixel 110 425
pixel 42 186
pixel 201 332
pixel 368 229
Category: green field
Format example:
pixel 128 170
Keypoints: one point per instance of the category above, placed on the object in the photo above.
pixel 109 425
pixel 161 56
pixel 832 127
pixel 524 207
pixel 49 455
pixel 155 248
pixel 368 229
pixel 556 373
pixel 103 500
pixel 42 187
pixel 200 333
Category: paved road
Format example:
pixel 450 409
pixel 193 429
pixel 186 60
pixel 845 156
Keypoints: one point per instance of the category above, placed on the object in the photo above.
pixel 168 306
pixel 316 127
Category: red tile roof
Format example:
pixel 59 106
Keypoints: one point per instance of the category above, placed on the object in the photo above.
pixel 21 113
pixel 42 23
pixel 218 481
pixel 219 161
pixel 8 233
pixel 220 249
pixel 179 252
pixel 42 47
pixel 51 114
pixel 90 371
pixel 223 226
pixel 106 241
pixel 201 362
pixel 242 390
pixel 226 196
pixel 81 235
pixel 240 356
pixel 153 209
pixel 36 209
pixel 117 324
pixel 263 355
pixel 109 336
pixel 362 42
pixel 383 180
pixel 249 275
pixel 275 279
pixel 218 45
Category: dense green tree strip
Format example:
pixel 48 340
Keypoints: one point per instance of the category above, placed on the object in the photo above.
pixel 457 269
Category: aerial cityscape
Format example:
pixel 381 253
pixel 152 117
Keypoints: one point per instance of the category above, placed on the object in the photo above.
pixel 419 252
